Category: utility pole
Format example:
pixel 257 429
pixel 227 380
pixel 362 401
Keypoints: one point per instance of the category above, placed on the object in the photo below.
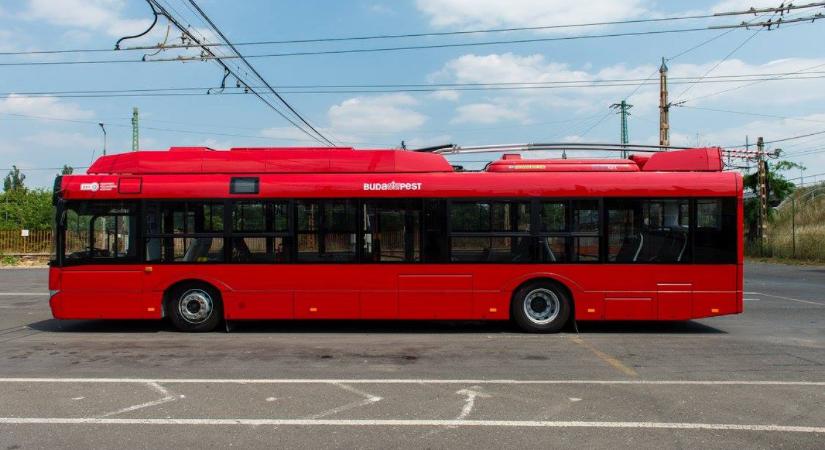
pixel 135 131
pixel 664 107
pixel 763 192
pixel 623 109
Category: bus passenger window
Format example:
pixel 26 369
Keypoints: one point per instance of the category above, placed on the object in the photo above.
pixel 493 231
pixel 648 231
pixel 392 231
pixel 715 238
pixel 326 230
pixel 260 231
pixel 188 232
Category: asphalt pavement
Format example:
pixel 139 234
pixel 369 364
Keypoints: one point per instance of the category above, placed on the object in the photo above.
pixel 755 380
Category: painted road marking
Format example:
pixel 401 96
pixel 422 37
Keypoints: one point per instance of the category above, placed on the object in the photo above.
pixel 410 381
pixel 409 422
pixel 471 394
pixel 615 363
pixel 751 299
pixel 167 397
pixel 787 298
pixel 367 400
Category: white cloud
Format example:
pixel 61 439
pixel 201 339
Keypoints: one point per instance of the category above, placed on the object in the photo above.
pixel 448 95
pixel 385 113
pixel 535 68
pixel 380 8
pixel 98 15
pixel 487 113
pixel 518 13
pixel 43 107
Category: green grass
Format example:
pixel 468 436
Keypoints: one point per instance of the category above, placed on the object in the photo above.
pixel 797 230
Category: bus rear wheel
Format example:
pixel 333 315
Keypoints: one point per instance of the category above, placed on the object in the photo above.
pixel 540 307
pixel 194 307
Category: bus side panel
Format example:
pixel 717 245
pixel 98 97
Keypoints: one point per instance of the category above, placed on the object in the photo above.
pixel 255 292
pixel 435 296
pixel 102 292
pixel 715 289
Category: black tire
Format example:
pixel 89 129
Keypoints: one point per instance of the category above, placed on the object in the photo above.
pixel 540 307
pixel 194 307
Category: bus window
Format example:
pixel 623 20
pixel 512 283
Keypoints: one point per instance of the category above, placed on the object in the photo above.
pixel 326 230
pixel 391 231
pixel 585 216
pixel 435 231
pixel 190 232
pixel 553 217
pixel 715 237
pixel 648 231
pixel 490 232
pixel 99 231
pixel 260 232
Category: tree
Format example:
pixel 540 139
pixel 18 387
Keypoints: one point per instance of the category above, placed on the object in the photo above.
pixel 14 180
pixel 67 170
pixel 778 189
pixel 26 209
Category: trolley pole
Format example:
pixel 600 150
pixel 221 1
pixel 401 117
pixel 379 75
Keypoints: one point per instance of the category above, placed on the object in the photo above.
pixel 763 193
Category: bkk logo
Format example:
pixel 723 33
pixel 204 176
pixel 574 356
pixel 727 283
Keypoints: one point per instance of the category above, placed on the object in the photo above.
pixel 94 187
pixel 392 186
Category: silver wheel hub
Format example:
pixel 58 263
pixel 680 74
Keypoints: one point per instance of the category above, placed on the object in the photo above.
pixel 541 306
pixel 195 306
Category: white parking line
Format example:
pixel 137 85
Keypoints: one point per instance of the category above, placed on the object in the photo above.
pixel 786 298
pixel 407 423
pixel 412 381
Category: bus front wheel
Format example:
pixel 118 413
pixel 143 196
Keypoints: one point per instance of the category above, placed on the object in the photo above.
pixel 540 307
pixel 194 307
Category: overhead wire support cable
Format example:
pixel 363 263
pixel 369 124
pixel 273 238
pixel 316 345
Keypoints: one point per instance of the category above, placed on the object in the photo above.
pixel 187 33
pixel 205 57
pixel 785 8
pixel 351 89
pixel 257 74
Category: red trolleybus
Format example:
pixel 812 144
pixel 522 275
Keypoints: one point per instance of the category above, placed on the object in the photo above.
pixel 199 236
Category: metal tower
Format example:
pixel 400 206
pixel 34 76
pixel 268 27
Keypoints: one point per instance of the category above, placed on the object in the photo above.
pixel 623 109
pixel 135 131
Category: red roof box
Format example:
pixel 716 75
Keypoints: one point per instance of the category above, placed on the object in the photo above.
pixel 691 160
pixel 269 160
pixel 511 163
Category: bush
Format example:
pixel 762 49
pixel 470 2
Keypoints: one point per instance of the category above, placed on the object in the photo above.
pixel 8 260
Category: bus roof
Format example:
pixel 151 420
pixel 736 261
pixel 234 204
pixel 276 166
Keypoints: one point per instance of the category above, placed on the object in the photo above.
pixel 262 160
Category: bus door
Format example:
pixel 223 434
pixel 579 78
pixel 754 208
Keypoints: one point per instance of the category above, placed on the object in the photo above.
pixel 100 277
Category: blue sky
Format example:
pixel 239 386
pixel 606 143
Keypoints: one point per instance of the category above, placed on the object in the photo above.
pixel 419 118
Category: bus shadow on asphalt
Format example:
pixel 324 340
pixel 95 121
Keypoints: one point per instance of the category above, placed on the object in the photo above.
pixel 371 326
pixel 636 327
